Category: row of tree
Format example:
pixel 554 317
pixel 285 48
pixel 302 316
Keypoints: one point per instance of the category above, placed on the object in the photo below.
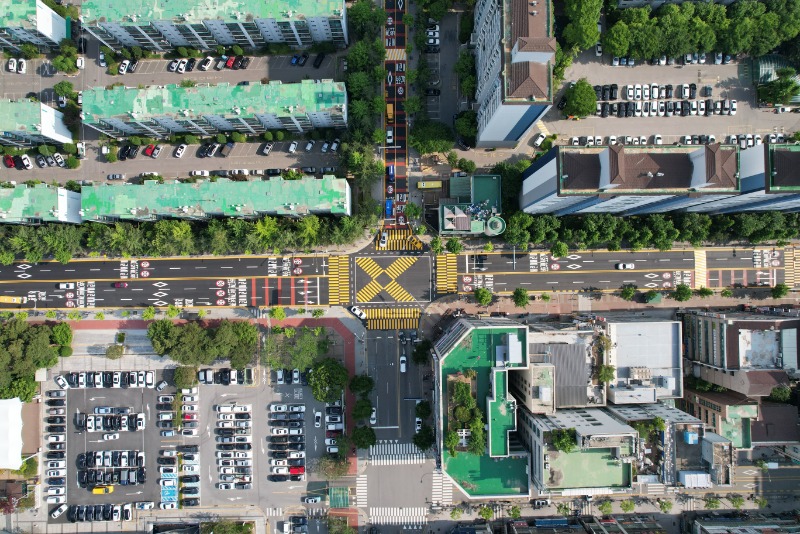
pixel 180 238
pixel 193 343
pixel 26 347
pixel 750 27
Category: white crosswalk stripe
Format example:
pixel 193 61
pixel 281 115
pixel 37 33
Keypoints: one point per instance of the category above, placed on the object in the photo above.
pixel 442 489
pixel 316 512
pixel 411 518
pixel 273 512
pixel 388 453
pixel 361 491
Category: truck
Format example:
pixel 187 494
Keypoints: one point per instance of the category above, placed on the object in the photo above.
pixel 389 112
pixel 435 184
pixel 227 149
pixel 13 300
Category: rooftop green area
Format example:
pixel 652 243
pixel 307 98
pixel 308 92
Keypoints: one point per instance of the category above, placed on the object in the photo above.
pixel 18 13
pixel 486 476
pixel 478 206
pixel 196 11
pixel 20 115
pixel 226 100
pixel 502 418
pixel 569 470
pixel 151 200
pixel 737 425
pixel 486 350
pixel 40 203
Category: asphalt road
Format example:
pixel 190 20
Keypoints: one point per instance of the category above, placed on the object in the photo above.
pixel 395 89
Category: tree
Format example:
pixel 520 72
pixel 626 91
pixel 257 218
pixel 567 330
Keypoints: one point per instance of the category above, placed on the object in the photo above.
pixel 514 512
pixel 617 39
pixel 581 31
pixel 665 506
pixel 628 292
pixel 423 409
pixel 185 376
pixel 365 18
pixel 704 292
pixel 62 334
pixel 486 513
pixel 362 385
pixel 413 211
pixel 483 296
pixel 781 393
pixel 413 104
pixel 362 409
pixel 226 527
pixel 781 89
pixel 564 439
pixel 727 293
pixel 780 291
pixel 64 89
pixel 581 99
pixel 277 312
pixel 454 246
pixel 451 442
pixel 364 437
pixel 545 297
pixel 563 509
pixel 436 245
pixel 29 51
pixel 682 293
pixel 761 502
pixel 559 249
pixel 737 501
pixel 606 373
pixel 455 514
pixel 332 467
pixel 149 313
pixel 424 439
pixel 430 137
pixel 712 503
pixel 604 507
pixel 421 354
pixel 328 380
pixel 520 297
pixel 115 351
pixel 627 506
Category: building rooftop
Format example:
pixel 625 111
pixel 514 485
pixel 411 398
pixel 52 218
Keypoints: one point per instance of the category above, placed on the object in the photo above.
pixel 735 522
pixel 777 423
pixel 645 412
pixel 187 103
pixel 477 208
pixel 782 162
pixel 18 13
pixel 528 34
pixel 223 197
pixel 620 169
pixel 661 341
pixel 22 115
pixel 573 372
pixel 41 203
pixel 197 11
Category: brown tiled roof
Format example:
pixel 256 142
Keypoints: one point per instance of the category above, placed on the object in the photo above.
pixel 582 170
pixel 531 44
pixel 759 382
pixel 527 26
pixel 529 80
pixel 785 163
pixel 777 423
pixel 721 166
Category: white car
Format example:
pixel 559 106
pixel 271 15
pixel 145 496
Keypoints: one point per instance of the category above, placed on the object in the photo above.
pixel 612 139
pixel 199 173
pixel 293 147
pixel 190 407
pixel 150 379
pixel 61 382
pixel 402 364
pixel 646 92
pixel 226 417
pixel 22 66
pixel 182 65
pixel 624 266
pixel 168 505
pixel 58 511
pixel 180 150
pixel 56 464
pixel 685 91
pixel 278 408
pixel 297 408
pixel 629 94
pixel 80 62
pixel 637 92
pixel 102 60
pixel 168 482
pixel 417 424
pixel 358 312
pixel 657 140
pixel 539 139
pixel 373 418
pixel 12 65
pixel 317 419
pixel 280 431
pixel 123 67
pixel 110 437
pixel 733 108
pixel 224 486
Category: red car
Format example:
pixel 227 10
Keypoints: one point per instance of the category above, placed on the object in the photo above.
pixel 9 161
pixel 149 150
pixel 297 470
pixel 229 63
pixel 121 284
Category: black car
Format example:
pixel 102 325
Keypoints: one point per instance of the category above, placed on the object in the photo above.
pixel 131 155
pixel 190 491
pixel 80 462
pixel 709 107
pixel 309 170
pixel 278 439
pixel 203 150
pixel 669 90
pixel 57 446
pixel 246 62
pixel 56 481
pixel 630 109
pixel 72 513
pixel 90 513
pixel 563 102
pixel 164 407
pixel 273 172
pixel 333 410
pixel 686 108
pixel 91 477
pixel 621 109
pixel 123 152
pixel 432 50
pixel 296 478
pixel 190 64
pixel 278 478
pixel 303 58
pixel 142 475
pixel 692 91
pixel 82 478
pixel 107 512
pixel 298 520
pixel 297 446
pixel 432 92
pixel 56 455
pixel 56 429
pixel 280 455
pixel 614 91
pixel 190 502
pixel 278 447
pixel 224 446
pixel 606 92
pixel 598 91
pixel 226 432
pixel 190 478
pixel 297 439
pixel 115 477
pixel 604 110
pixel 82 44
pixel 98 512
pixel 132 67
pixel 237 63
pixel 247 416
pixel 167 460
pixel 695 139
pixel 225 376
pixel 108 379
pixel 243 447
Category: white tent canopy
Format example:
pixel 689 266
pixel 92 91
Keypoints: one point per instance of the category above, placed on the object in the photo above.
pixel 11 423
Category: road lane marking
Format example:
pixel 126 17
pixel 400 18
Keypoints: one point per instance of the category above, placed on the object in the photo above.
pixel 174 268
pixel 552 282
pixel 604 281
pixel 94 269
pixel 129 299
pixel 199 267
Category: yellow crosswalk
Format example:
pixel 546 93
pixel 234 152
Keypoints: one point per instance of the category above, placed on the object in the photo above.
pixel 392 318
pixel 339 280
pixel 372 288
pixel 791 268
pixel 369 266
pixel 399 240
pixel 446 273
pixel 396 54
pixel 399 266
pixel 700 269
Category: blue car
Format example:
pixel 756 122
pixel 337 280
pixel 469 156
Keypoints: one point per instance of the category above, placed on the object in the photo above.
pixel 295 59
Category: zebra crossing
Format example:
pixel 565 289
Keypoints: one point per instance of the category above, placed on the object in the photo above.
pixel 273 512
pixel 316 512
pixel 395 454
pixel 442 490
pixel 361 491
pixel 412 518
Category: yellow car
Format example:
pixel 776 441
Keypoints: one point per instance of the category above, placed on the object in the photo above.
pixel 102 490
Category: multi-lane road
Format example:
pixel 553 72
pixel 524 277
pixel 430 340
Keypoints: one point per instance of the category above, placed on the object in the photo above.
pixel 395 151
pixel 369 277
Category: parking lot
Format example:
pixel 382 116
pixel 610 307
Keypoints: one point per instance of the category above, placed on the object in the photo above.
pixel 729 82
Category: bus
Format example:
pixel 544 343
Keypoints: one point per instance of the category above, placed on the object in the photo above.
pixel 436 184
pixel 389 208
pixel 13 300
pixel 389 112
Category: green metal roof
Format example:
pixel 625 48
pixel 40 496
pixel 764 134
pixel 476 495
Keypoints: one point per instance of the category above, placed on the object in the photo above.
pixel 196 11
pixel 240 101
pixel 223 197
pixel 18 13
pixel 41 203
pixel 477 210
pixel 20 116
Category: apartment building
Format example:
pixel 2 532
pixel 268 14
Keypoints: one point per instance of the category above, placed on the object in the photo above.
pixel 33 22
pixel 514 48
pixel 158 111
pixel 250 24
pixel 38 204
pixel 25 123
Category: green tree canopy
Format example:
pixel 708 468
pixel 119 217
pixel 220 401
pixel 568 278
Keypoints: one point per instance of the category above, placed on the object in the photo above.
pixel 362 409
pixel 424 439
pixel 581 99
pixel 361 384
pixel 423 409
pixel 364 437
pixel 430 137
pixel 682 293
pixel 780 291
pixel 483 296
pixel 520 297
pixel 328 380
